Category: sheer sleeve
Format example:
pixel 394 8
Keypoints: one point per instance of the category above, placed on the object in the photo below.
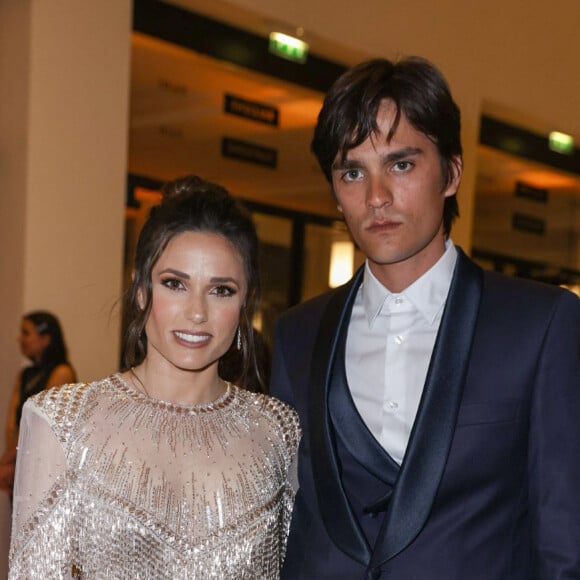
pixel 40 522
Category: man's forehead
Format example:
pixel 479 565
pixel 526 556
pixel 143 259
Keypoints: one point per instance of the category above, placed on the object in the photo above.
pixel 386 123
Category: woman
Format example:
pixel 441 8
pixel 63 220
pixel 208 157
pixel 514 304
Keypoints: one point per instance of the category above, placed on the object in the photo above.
pixel 42 342
pixel 165 470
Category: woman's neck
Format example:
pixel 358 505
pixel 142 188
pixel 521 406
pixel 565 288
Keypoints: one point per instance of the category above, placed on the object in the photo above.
pixel 179 386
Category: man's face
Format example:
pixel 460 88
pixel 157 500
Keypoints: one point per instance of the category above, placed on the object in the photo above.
pixel 392 196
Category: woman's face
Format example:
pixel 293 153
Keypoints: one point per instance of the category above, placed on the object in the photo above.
pixel 32 344
pixel 198 289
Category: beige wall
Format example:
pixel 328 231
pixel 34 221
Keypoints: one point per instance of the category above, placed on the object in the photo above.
pixel 63 140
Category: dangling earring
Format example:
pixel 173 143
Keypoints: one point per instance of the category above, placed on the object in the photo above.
pixel 239 339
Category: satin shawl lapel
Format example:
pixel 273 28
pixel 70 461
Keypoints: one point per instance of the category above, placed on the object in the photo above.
pixel 339 520
pixel 432 433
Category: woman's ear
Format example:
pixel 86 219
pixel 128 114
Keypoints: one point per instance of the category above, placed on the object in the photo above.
pixel 140 299
pixel 140 293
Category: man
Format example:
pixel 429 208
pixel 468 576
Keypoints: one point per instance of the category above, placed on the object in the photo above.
pixel 440 403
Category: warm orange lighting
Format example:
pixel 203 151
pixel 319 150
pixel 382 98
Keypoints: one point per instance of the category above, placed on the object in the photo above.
pixel 341 263
pixel 147 195
pixel 547 179
pixel 573 288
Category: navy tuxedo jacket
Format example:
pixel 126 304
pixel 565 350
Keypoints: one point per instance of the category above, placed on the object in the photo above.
pixel 489 487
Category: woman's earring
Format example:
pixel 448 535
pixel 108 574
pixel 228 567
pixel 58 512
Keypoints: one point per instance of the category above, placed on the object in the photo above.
pixel 239 339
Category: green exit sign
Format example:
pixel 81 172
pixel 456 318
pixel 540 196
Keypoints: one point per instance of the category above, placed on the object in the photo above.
pixel 561 143
pixel 288 47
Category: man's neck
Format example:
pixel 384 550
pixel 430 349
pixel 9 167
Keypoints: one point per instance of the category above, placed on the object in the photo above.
pixel 398 276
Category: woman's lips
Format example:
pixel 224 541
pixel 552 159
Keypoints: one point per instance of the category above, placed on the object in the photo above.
pixel 192 338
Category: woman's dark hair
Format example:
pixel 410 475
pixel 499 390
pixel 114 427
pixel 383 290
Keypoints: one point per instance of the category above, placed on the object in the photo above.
pixel 417 88
pixel 191 204
pixel 55 352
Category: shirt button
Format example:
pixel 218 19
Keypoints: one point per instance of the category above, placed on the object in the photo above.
pixel 399 339
pixel 392 405
pixel 398 300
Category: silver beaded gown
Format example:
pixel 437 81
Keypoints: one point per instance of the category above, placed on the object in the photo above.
pixel 114 484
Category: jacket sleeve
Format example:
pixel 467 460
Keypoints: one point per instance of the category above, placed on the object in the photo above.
pixel 41 526
pixel 554 444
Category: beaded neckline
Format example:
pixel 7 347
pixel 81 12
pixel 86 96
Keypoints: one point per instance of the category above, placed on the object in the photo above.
pixel 222 401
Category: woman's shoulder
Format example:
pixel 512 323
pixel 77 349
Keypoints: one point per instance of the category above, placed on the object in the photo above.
pixel 68 396
pixel 274 410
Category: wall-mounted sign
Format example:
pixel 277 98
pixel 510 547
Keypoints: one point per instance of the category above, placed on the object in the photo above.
pixel 288 47
pixel 251 110
pixel 528 223
pixel 561 143
pixel 250 152
pixel 530 192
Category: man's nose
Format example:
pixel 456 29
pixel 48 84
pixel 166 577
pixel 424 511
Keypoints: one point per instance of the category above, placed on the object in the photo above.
pixel 379 193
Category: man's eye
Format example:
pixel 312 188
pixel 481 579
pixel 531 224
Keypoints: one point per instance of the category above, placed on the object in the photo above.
pixel 403 165
pixel 352 175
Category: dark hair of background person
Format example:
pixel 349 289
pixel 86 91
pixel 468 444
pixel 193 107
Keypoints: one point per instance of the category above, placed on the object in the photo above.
pixel 54 354
pixel 191 204
pixel 417 88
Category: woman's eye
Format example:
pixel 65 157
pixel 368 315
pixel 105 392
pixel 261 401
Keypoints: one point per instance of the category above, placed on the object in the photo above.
pixel 223 291
pixel 172 284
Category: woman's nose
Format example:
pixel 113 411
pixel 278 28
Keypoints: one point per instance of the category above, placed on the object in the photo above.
pixel 198 310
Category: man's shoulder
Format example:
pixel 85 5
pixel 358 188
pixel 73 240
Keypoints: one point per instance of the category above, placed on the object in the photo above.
pixel 524 287
pixel 310 308
pixel 527 300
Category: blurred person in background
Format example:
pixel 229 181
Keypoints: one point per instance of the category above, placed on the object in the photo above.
pixel 42 342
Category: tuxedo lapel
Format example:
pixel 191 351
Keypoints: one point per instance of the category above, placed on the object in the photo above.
pixel 337 515
pixel 434 426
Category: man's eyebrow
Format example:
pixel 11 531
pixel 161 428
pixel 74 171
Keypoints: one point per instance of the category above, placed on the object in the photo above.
pixel 402 153
pixel 388 158
pixel 346 164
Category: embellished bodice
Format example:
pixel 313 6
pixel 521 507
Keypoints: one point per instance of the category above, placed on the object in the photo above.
pixel 117 485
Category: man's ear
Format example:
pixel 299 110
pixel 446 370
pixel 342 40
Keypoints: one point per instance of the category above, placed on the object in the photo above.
pixel 457 170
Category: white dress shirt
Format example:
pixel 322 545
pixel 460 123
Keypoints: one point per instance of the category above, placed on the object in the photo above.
pixel 388 349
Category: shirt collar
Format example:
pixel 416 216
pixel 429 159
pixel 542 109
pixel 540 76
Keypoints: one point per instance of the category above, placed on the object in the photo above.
pixel 428 293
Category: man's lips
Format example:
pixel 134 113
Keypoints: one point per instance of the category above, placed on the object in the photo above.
pixel 383 226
